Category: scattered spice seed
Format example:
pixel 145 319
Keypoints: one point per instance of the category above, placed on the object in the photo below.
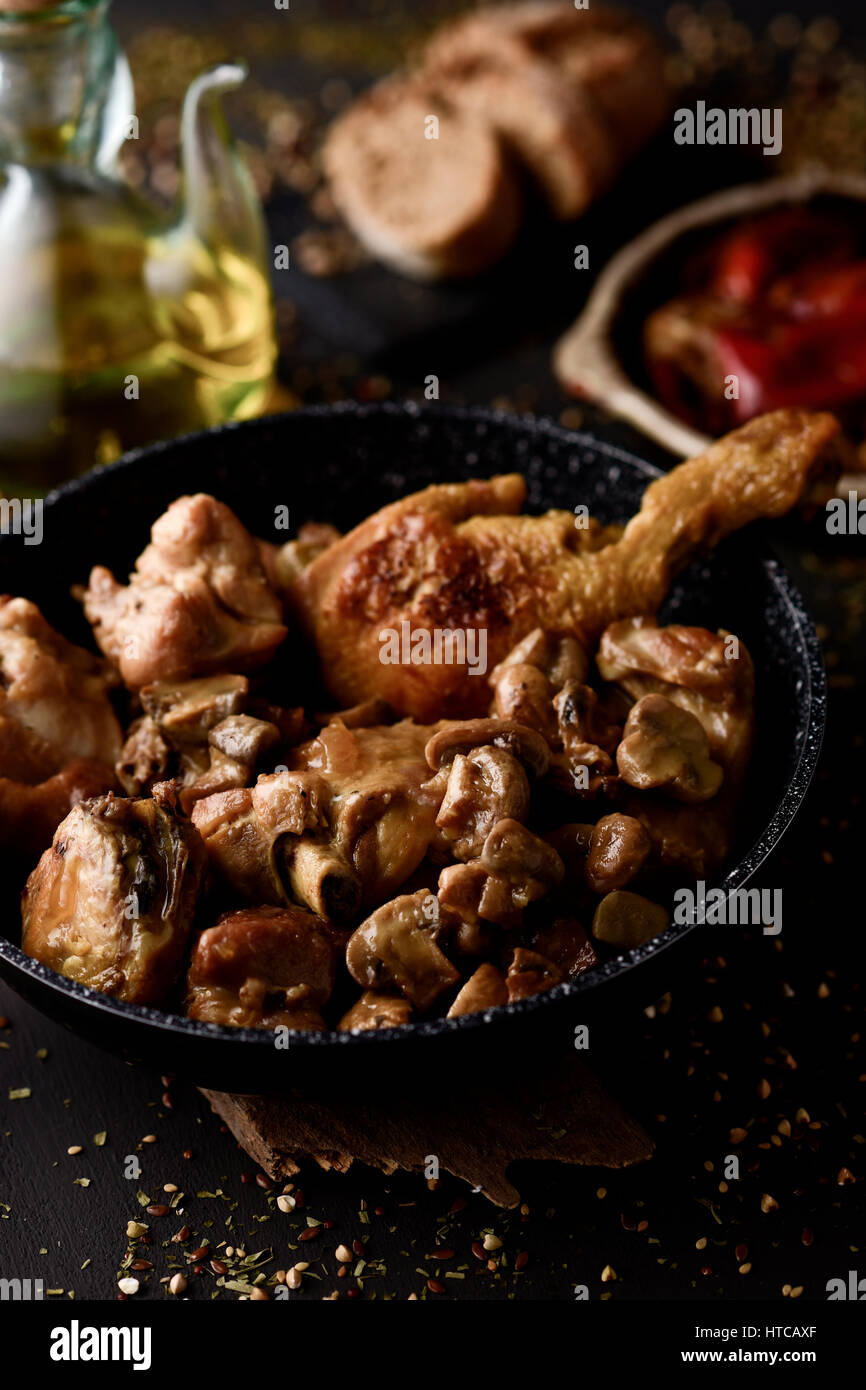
pixel 177 1283
pixel 128 1286
pixel 492 1242
pixel 343 1254
pixel 294 1278
pixel 769 1203
pixel 701 1244
pixel 844 1176
pixel 745 1268
pixel 200 1254
pixel 286 1203
pixel 264 1181
pixel 608 1275
pixel 807 1236
pixel 149 1139
pixel 478 1250
pixel 259 1294
pixel 219 1267
pixel 309 1234
pixel 183 1234
pixel 521 1260
pixel 763 1089
pixel 434 1286
pixel 157 1210
pixel 135 1229
pixel 75 1149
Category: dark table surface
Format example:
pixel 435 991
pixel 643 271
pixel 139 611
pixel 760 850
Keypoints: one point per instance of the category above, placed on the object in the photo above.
pixel 757 1034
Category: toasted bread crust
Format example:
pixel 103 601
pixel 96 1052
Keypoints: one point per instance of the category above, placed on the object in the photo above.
pixel 447 206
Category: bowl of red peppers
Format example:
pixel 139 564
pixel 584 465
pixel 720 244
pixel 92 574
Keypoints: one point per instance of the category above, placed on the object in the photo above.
pixel 748 301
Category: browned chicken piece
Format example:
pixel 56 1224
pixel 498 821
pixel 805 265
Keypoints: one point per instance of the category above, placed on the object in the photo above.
pixel 263 967
pixel 396 947
pixel 283 563
pixel 566 945
pixel 346 825
pixel 54 693
pixel 665 747
pixel 198 601
pixel 709 674
pixel 374 1010
pixel 29 815
pixel 485 989
pixel 529 974
pixel 619 849
pixel 381 799
pixel 59 736
pixel 111 903
pixel 458 556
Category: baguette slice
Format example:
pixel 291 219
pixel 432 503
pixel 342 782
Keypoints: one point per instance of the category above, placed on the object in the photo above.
pixel 617 60
pixel 430 208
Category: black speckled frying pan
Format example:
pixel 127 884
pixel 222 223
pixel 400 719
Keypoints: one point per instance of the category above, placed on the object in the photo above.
pixel 338 464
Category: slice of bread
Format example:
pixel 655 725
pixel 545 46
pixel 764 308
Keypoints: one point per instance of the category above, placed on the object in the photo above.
pixel 616 60
pixel 553 127
pixel 430 208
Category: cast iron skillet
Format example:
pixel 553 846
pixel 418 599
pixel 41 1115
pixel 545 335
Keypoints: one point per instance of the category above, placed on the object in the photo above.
pixel 339 463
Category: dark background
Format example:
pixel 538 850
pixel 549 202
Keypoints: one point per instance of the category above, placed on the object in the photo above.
pixel 756 1034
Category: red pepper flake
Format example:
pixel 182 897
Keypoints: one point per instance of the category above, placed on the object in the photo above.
pixel 434 1286
pixel 521 1259
pixel 706 1270
pixel 808 1235
pixel 328 1225
pixel 378 1211
pixel 352 1293
pixel 187 1153
pixel 845 1175
pixel 741 1253
pixel 4 1022
pixel 246 1177
pixel 167 1101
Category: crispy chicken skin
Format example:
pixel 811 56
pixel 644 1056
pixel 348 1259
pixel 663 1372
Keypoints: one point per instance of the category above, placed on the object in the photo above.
pixel 198 602
pixel 459 556
pixel 111 903
pixel 59 735
pixel 263 967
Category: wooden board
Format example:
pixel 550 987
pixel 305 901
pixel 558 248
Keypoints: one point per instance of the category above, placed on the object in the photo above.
pixel 568 1117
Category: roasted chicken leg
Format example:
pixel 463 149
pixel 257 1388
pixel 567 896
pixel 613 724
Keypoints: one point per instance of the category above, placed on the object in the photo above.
pixel 458 556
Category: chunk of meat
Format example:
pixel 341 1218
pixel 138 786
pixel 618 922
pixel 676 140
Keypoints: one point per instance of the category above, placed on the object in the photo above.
pixel 396 947
pixel 54 703
pixel 485 989
pixel 515 868
pixel 29 815
pixel 530 973
pixel 566 945
pixel 458 556
pixel 374 1010
pixel 111 903
pixel 263 967
pixel 198 601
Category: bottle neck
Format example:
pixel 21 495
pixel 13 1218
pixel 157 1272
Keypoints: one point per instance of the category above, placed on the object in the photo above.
pixel 58 69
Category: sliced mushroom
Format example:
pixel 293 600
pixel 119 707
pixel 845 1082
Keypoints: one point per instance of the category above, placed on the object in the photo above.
pixel 263 967
pixel 396 947
pixel 665 747
pixel 111 903
pixel 588 741
pixel 561 659
pixel 374 1010
pixel 619 849
pixel 243 738
pixel 524 694
pixel 626 920
pixel 484 786
pixel 531 867
pixel 530 973
pixel 485 989
pixel 566 945
pixel 524 743
pixel 186 711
